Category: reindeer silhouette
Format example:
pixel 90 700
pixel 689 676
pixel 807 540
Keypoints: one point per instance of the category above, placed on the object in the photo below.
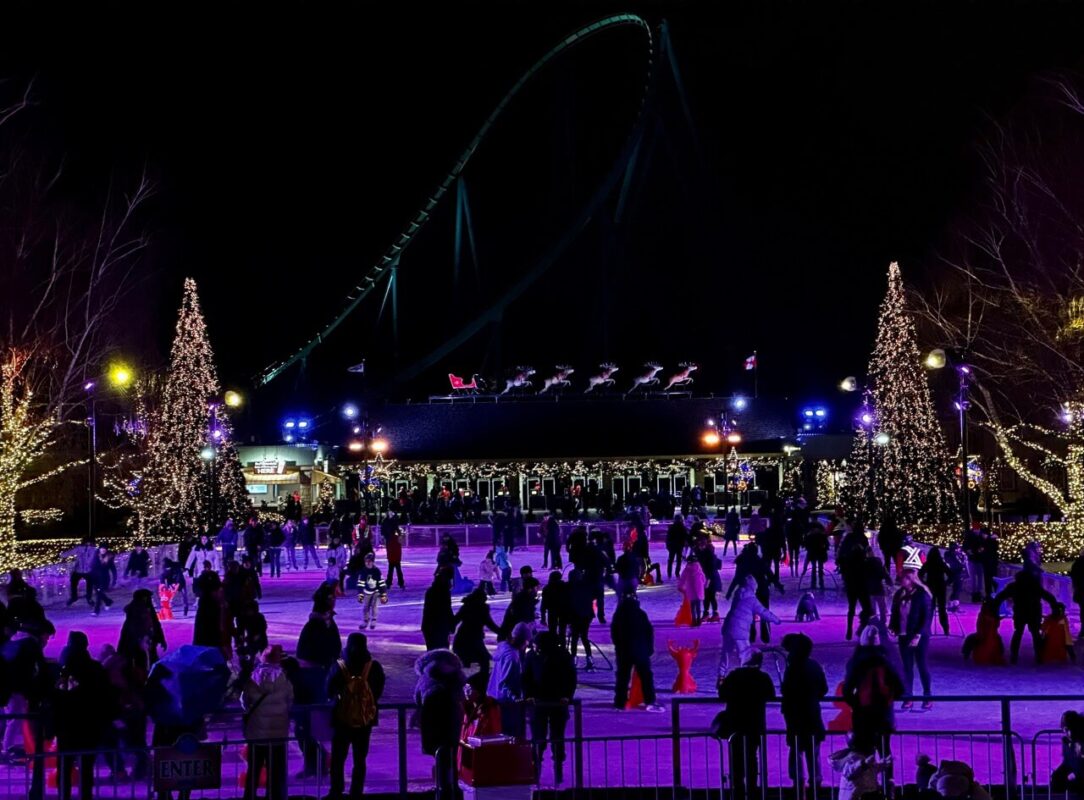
pixel 603 378
pixel 521 380
pixel 559 378
pixel 646 378
pixel 683 377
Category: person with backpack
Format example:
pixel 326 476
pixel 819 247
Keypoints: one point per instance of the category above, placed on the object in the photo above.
pixel 871 688
pixel 355 686
pixel 266 698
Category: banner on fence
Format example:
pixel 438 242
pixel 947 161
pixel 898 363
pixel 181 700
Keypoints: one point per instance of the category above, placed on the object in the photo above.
pixel 188 766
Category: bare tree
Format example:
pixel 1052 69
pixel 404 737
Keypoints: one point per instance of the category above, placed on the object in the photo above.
pixel 65 276
pixel 1012 302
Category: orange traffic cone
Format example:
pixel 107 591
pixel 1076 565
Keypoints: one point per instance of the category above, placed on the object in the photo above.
pixel 684 616
pixel 636 692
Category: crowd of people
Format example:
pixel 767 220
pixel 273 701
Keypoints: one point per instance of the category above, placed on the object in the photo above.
pixel 526 686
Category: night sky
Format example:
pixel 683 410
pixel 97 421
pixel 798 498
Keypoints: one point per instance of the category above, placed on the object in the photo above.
pixel 290 149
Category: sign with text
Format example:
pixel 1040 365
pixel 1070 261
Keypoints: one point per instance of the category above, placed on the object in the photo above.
pixel 269 466
pixel 189 765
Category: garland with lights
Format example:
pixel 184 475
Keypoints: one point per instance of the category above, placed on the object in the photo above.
pixel 909 474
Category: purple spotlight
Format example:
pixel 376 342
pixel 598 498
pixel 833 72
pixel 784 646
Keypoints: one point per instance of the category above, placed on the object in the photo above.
pixel 1067 416
pixel 217 434
pixel 866 418
pixel 89 386
pixel 963 369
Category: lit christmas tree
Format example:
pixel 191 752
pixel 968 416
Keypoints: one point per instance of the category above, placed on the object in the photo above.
pixel 193 475
pixel 907 471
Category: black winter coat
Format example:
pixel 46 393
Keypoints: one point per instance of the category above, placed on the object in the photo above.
pixel 631 632
pixel 320 642
pixel 804 685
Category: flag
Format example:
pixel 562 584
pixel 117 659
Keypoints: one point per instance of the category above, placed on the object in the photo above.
pixel 751 362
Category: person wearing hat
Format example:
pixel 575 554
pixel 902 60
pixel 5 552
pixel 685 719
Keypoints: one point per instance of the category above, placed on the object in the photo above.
pixel 633 638
pixel 506 680
pixel 27 676
pixel 266 698
pixel 84 707
pixel 355 686
pixel 141 634
pixel 803 687
pixel 373 590
pixel 746 692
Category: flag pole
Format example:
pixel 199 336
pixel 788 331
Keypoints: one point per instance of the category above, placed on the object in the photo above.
pixel 756 371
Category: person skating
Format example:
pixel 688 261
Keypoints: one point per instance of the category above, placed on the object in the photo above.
pixel 744 609
pixel 633 639
pixel 876 579
pixel 731 531
pixel 227 540
pixel 373 591
pixel 469 642
pixel 850 563
pixel 306 532
pixel 212 625
pixel 84 708
pixel 803 687
pixel 549 686
pixel 751 564
pixel 551 542
pixel 438 620
pixel 1057 647
pixel 677 540
pixel 797 528
pixel 934 574
pixel 85 555
pixel 691 585
pixel 204 550
pixel 174 577
pixel 141 634
pixel 555 608
pixel 488 574
pixel 139 563
pixel 393 550
pixel 581 615
pixel 355 686
pixel 100 578
pixel 956 562
pixel 504 566
pixel 912 613
pixel 1027 594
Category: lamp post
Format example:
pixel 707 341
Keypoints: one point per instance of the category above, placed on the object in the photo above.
pixel 118 376
pixel 210 454
pixel 938 359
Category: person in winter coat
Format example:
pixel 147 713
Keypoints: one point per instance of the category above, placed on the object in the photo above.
pixel 875 578
pixel 731 530
pixel 320 641
pixel 276 538
pixel 797 528
pixel 751 564
pixel 934 574
pixel 227 540
pixel 850 563
pixel 506 680
pixel 890 541
pixel 1027 594
pixel 551 542
pixel 816 554
pixel 85 555
pixel 438 621
pixel 393 549
pixel 212 625
pixel 744 609
pixel 141 634
pixel 985 646
pixel 555 609
pixel 266 698
pixel 204 550
pixel 27 681
pixel 677 539
pixel 633 639
pixel 710 564
pixel 439 697
pixel 355 686
pixel 549 685
pixel 139 563
pixel 860 770
pixel 173 576
pixel 691 584
pixel 581 614
pixel 306 533
pixel 912 613
pixel 372 590
pixel 956 564
pixel 803 687
pixel 871 687
pixel 746 692
pixel 488 574
pixel 100 576
pixel 84 708
pixel 473 618
pixel 1057 647
pixel 504 565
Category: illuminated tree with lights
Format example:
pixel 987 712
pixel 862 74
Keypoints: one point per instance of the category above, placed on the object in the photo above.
pixel 179 483
pixel 1013 302
pixel 905 469
pixel 65 273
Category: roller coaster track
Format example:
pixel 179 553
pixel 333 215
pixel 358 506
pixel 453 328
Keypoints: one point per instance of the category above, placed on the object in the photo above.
pixel 390 260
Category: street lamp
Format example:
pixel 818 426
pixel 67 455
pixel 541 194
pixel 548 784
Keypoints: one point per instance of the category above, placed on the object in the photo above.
pixel 209 454
pixel 937 359
pixel 233 399
pixel 118 376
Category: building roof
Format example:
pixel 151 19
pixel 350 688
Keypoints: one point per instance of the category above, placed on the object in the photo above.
pixel 574 428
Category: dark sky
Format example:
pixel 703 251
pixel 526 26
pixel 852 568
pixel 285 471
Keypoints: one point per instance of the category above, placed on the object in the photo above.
pixel 290 148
